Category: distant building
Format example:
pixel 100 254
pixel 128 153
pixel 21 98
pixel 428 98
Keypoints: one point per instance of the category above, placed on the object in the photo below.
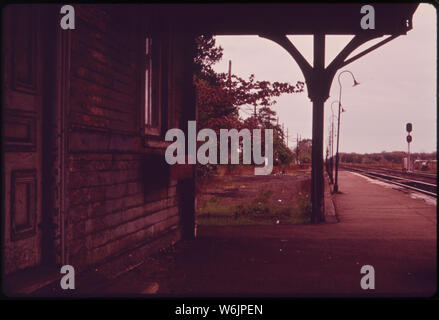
pixel 425 165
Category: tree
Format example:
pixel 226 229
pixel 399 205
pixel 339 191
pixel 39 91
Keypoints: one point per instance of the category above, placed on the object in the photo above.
pixel 305 150
pixel 220 96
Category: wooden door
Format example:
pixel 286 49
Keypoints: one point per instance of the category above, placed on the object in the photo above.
pixel 22 138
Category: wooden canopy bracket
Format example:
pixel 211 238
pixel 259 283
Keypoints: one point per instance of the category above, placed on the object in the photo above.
pixel 359 55
pixel 285 43
pixel 339 61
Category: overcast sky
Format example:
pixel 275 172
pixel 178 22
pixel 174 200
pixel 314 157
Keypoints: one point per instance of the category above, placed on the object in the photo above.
pixel 397 85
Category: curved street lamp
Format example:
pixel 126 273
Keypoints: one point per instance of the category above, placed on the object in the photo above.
pixel 338 127
pixel 331 139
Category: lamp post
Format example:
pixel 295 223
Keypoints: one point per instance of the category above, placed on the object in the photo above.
pixel 332 141
pixel 327 154
pixel 338 127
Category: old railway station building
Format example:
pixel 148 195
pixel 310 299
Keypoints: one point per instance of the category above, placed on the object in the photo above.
pixel 85 111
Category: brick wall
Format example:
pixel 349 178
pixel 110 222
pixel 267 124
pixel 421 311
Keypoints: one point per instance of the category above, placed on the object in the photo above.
pixel 113 208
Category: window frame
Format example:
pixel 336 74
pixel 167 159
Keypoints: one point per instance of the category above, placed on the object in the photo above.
pixel 151 96
pixel 157 61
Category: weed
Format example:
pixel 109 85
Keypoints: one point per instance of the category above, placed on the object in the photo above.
pixel 259 210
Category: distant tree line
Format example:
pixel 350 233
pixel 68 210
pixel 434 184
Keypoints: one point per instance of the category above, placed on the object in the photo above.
pixel 394 157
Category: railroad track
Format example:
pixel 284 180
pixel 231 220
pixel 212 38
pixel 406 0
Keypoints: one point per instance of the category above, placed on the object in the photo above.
pixel 428 188
pixel 421 176
pixel 418 175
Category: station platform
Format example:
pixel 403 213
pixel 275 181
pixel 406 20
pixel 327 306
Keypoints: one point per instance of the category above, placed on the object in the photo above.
pixel 379 225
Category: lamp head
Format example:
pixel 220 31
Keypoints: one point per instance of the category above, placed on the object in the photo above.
pixel 356 83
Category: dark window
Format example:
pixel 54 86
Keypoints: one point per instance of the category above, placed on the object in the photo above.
pixel 155 78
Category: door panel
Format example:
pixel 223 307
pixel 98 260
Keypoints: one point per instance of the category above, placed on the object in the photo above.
pixel 22 115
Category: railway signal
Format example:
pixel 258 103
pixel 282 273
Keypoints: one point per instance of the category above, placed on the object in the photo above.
pixel 409 128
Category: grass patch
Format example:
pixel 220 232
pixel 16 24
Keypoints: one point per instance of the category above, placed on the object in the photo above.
pixel 259 210
pixel 215 207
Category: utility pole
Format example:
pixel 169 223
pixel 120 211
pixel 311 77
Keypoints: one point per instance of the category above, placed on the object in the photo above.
pixel 287 137
pixel 229 79
pixel 283 133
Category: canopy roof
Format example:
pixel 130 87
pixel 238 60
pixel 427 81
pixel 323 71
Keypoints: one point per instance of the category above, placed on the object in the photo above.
pixel 342 18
